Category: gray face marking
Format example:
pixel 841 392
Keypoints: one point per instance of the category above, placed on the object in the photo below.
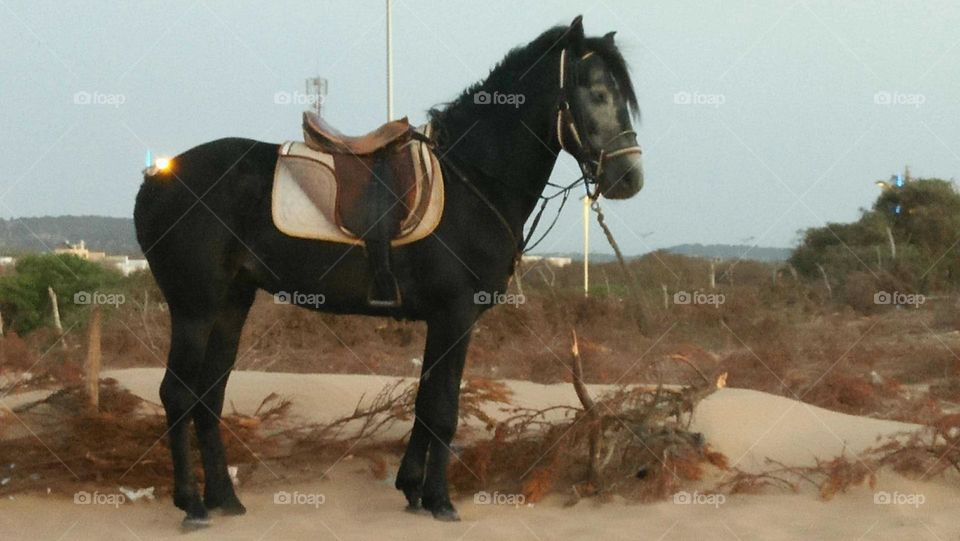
pixel 603 119
pixel 602 107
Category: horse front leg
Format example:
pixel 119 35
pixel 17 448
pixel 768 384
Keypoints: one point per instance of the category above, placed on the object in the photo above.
pixel 423 471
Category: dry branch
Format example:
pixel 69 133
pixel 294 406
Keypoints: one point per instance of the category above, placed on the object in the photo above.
pixel 632 440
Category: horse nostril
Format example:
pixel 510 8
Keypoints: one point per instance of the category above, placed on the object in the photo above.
pixel 623 177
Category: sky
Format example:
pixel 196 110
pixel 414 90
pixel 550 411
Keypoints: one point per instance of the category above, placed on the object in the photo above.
pixel 759 119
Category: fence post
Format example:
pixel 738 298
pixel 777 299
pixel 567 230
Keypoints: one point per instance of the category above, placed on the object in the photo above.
pixel 56 310
pixel 91 367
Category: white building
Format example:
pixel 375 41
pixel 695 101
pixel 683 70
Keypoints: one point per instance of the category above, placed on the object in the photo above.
pixel 125 264
pixel 555 261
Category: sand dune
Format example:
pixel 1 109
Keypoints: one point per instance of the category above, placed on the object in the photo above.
pixel 745 425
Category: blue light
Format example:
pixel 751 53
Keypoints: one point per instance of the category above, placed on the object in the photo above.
pixel 148 159
pixel 897 209
pixel 899 181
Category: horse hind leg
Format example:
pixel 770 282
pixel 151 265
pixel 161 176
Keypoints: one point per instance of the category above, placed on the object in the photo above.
pixel 221 352
pixel 412 467
pixel 188 343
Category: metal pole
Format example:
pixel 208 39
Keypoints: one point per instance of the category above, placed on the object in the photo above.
pixel 586 246
pixel 389 61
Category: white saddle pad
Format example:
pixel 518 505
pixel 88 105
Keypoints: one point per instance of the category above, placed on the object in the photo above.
pixel 305 195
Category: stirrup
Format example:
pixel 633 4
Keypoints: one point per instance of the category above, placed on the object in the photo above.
pixel 394 302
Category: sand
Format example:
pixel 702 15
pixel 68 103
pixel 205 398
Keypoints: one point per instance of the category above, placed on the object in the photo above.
pixel 745 425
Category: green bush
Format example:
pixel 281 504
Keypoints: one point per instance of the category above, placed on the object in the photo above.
pixel 923 216
pixel 25 303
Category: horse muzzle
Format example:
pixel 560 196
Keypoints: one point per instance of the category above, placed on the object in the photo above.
pixel 622 177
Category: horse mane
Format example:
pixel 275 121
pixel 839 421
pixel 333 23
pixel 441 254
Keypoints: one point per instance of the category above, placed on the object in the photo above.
pixel 509 75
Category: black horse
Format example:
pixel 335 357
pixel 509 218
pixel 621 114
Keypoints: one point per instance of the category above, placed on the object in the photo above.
pixel 205 226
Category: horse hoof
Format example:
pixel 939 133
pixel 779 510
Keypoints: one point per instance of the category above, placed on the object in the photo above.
pixel 447 514
pixel 195 523
pixel 234 508
pixel 415 508
pixel 229 505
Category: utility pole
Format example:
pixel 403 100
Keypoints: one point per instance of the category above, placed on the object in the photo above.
pixel 586 246
pixel 389 61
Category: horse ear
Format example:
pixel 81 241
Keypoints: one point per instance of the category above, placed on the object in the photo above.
pixel 576 29
pixel 608 37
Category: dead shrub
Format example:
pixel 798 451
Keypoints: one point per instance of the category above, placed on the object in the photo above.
pixel 15 354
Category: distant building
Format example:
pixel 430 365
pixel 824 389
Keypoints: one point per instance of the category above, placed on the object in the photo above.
pixel 7 261
pixel 555 261
pixel 80 250
pixel 122 263
pixel 125 264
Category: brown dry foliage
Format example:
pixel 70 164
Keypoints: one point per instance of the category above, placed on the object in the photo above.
pixel 632 441
pixel 922 455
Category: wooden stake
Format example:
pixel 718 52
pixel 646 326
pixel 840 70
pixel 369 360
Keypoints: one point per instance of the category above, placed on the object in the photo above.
pixel 56 310
pixel 826 281
pixel 893 244
pixel 91 367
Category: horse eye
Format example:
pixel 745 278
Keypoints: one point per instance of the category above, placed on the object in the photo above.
pixel 599 96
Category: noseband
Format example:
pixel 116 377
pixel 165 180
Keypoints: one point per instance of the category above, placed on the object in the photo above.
pixel 590 158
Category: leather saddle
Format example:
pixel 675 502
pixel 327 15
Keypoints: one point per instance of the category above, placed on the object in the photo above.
pixel 318 134
pixel 375 175
pixel 382 185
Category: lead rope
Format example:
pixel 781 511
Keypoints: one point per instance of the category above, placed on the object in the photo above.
pixel 638 315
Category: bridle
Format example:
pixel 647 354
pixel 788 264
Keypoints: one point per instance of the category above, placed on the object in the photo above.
pixel 589 158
